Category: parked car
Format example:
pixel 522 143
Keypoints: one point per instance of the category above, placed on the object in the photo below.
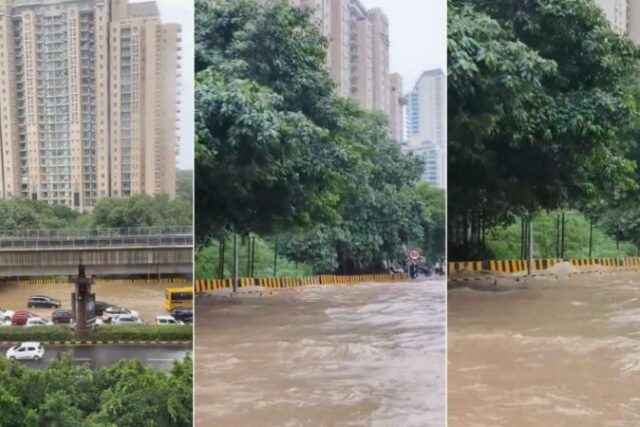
pixel 20 317
pixel 183 314
pixel 26 351
pixel 101 306
pixel 62 315
pixel 97 322
pixel 43 301
pixel 6 314
pixel 37 321
pixel 168 320
pixel 5 323
pixel 126 319
pixel 112 312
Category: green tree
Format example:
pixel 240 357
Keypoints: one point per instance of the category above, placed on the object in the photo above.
pixel 537 100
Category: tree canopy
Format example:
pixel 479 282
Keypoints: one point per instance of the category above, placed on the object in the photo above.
pixel 279 153
pixel 125 395
pixel 538 103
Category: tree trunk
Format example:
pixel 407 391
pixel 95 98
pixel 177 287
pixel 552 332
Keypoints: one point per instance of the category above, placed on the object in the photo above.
pixel 275 260
pixel 235 262
pixel 562 237
pixel 530 251
pixel 223 245
pixel 590 236
pixel 558 236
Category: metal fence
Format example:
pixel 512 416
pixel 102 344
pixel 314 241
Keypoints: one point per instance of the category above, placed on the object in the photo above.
pixel 96 238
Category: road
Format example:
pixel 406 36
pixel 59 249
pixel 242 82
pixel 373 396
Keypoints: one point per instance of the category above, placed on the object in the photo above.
pixel 562 352
pixel 359 355
pixel 102 356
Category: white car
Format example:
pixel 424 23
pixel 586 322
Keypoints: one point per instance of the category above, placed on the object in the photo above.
pixel 112 312
pixel 6 314
pixel 97 322
pixel 26 351
pixel 5 323
pixel 126 320
pixel 168 320
pixel 37 321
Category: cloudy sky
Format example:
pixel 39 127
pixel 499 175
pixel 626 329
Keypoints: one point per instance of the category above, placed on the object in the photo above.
pixel 418 35
pixel 181 12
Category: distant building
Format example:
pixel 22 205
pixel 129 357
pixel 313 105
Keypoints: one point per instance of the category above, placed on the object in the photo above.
pixel 397 101
pixel 624 16
pixel 358 53
pixel 89 100
pixel 426 124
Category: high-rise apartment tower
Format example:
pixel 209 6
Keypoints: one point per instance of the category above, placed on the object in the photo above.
pixel 88 100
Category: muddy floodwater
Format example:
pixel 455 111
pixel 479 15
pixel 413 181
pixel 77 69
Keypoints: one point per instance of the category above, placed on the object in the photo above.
pixel 146 299
pixel 546 353
pixel 364 355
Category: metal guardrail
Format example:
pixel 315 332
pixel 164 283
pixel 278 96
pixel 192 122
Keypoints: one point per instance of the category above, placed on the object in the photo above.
pixel 96 238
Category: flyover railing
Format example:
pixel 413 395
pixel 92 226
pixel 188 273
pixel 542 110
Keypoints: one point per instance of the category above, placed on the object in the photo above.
pixel 96 238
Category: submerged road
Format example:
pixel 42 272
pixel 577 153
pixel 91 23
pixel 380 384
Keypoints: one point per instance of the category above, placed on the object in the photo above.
pixel 546 352
pixel 360 355
pixel 101 356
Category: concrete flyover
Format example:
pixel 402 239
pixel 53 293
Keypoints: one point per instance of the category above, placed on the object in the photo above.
pixel 106 252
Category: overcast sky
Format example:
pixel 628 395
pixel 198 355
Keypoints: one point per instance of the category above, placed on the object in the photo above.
pixel 417 36
pixel 181 12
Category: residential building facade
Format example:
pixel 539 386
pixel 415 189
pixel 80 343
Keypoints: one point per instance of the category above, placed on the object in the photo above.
pixel 89 100
pixel 426 124
pixel 358 54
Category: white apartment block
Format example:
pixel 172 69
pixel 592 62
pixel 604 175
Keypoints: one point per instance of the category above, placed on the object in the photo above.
pixel 426 124
pixel 624 16
pixel 89 100
pixel 358 54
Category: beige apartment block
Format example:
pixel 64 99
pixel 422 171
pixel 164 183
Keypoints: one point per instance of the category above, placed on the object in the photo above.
pixel 358 54
pixel 397 101
pixel 624 16
pixel 89 100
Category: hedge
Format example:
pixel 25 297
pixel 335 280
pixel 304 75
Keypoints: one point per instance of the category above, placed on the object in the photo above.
pixel 101 333
pixel 38 333
pixel 143 333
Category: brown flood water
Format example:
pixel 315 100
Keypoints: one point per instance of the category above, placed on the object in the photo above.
pixel 546 353
pixel 146 299
pixel 365 355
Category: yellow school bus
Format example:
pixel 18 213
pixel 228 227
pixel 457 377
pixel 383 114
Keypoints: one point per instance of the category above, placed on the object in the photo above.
pixel 178 297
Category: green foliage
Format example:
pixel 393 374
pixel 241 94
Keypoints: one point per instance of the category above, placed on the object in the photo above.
pixel 125 395
pixel 279 153
pixel 143 333
pixel 184 186
pixel 505 242
pixel 23 214
pixel 141 210
pixel 538 102
pixel 40 333
pixel 102 333
pixel 208 260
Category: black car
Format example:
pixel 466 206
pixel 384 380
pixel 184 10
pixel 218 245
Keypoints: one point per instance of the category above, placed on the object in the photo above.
pixel 62 316
pixel 101 306
pixel 43 301
pixel 183 314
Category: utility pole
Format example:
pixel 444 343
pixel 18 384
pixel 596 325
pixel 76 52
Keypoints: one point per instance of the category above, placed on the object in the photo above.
pixel 275 260
pixel 590 236
pixel 235 262
pixel 530 254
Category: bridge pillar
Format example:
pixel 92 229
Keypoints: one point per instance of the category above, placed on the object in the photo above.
pixel 83 303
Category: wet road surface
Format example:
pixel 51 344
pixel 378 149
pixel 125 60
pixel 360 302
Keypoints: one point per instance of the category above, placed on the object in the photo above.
pixel 98 357
pixel 364 355
pixel 546 353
